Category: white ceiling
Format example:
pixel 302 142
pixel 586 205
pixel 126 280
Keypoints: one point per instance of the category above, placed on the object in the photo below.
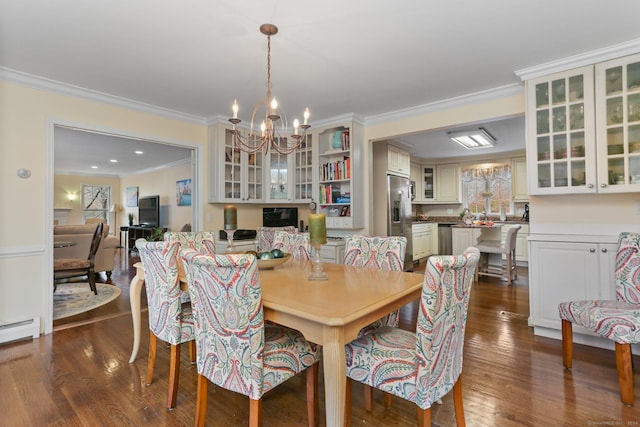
pixel 366 57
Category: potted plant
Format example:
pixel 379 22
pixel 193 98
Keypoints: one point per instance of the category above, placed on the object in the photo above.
pixel 157 234
pixel 130 219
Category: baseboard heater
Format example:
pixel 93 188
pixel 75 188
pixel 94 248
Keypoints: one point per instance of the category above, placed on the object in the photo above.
pixel 18 330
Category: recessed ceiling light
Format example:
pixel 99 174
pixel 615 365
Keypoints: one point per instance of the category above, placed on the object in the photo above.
pixel 113 161
pixel 94 167
pixel 138 152
pixel 472 139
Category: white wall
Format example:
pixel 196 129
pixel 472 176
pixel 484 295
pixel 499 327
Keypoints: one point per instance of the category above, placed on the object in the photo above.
pixel 26 214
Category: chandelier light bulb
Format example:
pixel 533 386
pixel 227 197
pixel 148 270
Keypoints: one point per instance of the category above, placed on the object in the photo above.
pixel 274 104
pixel 296 125
pixel 306 116
pixel 234 108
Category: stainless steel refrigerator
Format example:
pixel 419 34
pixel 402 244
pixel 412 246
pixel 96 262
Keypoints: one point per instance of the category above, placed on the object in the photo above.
pixel 399 213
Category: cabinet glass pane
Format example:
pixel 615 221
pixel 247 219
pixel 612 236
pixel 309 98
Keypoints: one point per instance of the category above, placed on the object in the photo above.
pixel 560 175
pixel 576 116
pixel 544 150
pixel 616 171
pixel 559 147
pixel 614 111
pixel 634 170
pixel 614 80
pixel 634 139
pixel 542 95
pixel 633 76
pixel 542 121
pixel 633 107
pixel 544 175
pixel 578 173
pixel 559 119
pixel 428 181
pixel 576 88
pixel 615 141
pixel 577 144
pixel 558 90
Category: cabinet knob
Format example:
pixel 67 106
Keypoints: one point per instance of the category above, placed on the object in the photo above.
pixel 603 185
pixel 590 186
pixel 604 250
pixel 592 250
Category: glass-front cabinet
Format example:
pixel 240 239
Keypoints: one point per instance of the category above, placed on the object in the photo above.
pixel 560 111
pixel 618 124
pixel 278 178
pixel 428 182
pixel 303 171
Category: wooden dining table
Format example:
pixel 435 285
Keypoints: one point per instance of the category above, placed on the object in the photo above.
pixel 329 313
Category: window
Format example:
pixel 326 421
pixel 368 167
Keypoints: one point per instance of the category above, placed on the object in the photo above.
pixel 487 188
pixel 96 200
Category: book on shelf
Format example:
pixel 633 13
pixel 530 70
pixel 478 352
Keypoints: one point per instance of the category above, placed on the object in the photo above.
pixel 338 170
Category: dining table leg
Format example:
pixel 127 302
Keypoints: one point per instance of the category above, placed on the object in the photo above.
pixel 135 289
pixel 335 376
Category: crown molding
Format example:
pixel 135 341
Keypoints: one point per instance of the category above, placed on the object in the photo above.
pixel 447 104
pixel 50 85
pixel 589 58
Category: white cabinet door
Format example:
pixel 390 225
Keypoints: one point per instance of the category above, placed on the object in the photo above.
pixel 519 180
pixel 416 177
pixel 462 238
pixel 448 183
pixel 398 161
pixel 567 271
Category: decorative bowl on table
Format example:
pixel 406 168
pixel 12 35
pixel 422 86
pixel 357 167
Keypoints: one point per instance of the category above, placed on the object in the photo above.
pixel 267 263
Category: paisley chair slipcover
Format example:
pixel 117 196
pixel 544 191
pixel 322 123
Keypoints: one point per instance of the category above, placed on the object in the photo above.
pixel 201 241
pixel 423 366
pixel 170 320
pixel 617 320
pixel 297 244
pixel 381 253
pixel 236 350
pixel 266 235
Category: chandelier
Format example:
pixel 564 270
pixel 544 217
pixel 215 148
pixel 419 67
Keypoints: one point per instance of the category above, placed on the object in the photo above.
pixel 272 131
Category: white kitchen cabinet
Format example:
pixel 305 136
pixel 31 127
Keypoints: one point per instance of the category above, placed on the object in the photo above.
pixel 333 251
pixel 564 111
pixel 398 161
pixel 463 237
pixel 303 171
pixel 340 186
pixel 237 176
pixel 421 238
pixel 416 177
pixel 519 191
pixel 447 183
pixel 428 183
pixel 568 268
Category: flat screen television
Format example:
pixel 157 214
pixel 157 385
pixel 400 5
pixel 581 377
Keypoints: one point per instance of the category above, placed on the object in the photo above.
pixel 149 211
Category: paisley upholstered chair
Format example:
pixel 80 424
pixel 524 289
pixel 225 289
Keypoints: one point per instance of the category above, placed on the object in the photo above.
pixel 423 366
pixel 297 244
pixel 236 349
pixel 617 320
pixel 266 234
pixel 170 319
pixel 201 241
pixel 382 253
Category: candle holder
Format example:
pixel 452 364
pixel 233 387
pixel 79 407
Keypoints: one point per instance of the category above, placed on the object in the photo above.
pixel 230 246
pixel 317 273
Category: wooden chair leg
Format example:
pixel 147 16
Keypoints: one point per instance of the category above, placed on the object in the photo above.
pixel 368 398
pixel 508 269
pixel 201 400
pixel 192 351
pixel 567 343
pixel 458 403
pixel 174 376
pixel 151 360
pixel 312 395
pixel 255 413
pixel 347 403
pixel 424 417
pixel 625 372
pixel 92 282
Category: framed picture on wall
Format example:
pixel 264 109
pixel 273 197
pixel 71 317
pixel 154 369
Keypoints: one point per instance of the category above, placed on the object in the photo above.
pixel 183 192
pixel 132 196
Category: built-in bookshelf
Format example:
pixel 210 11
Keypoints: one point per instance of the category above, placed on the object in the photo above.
pixel 338 177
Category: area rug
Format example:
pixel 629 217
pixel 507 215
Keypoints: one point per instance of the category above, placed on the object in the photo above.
pixel 74 298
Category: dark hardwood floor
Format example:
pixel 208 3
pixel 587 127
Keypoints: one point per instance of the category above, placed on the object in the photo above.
pixel 80 376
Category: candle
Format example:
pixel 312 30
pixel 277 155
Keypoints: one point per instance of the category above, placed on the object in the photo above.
pixel 306 116
pixel 234 108
pixel 317 229
pixel 230 217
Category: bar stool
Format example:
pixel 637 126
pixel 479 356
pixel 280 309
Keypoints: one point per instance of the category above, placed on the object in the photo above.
pixel 507 248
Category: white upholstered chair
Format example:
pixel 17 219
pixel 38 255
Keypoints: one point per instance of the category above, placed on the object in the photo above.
pixel 506 248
